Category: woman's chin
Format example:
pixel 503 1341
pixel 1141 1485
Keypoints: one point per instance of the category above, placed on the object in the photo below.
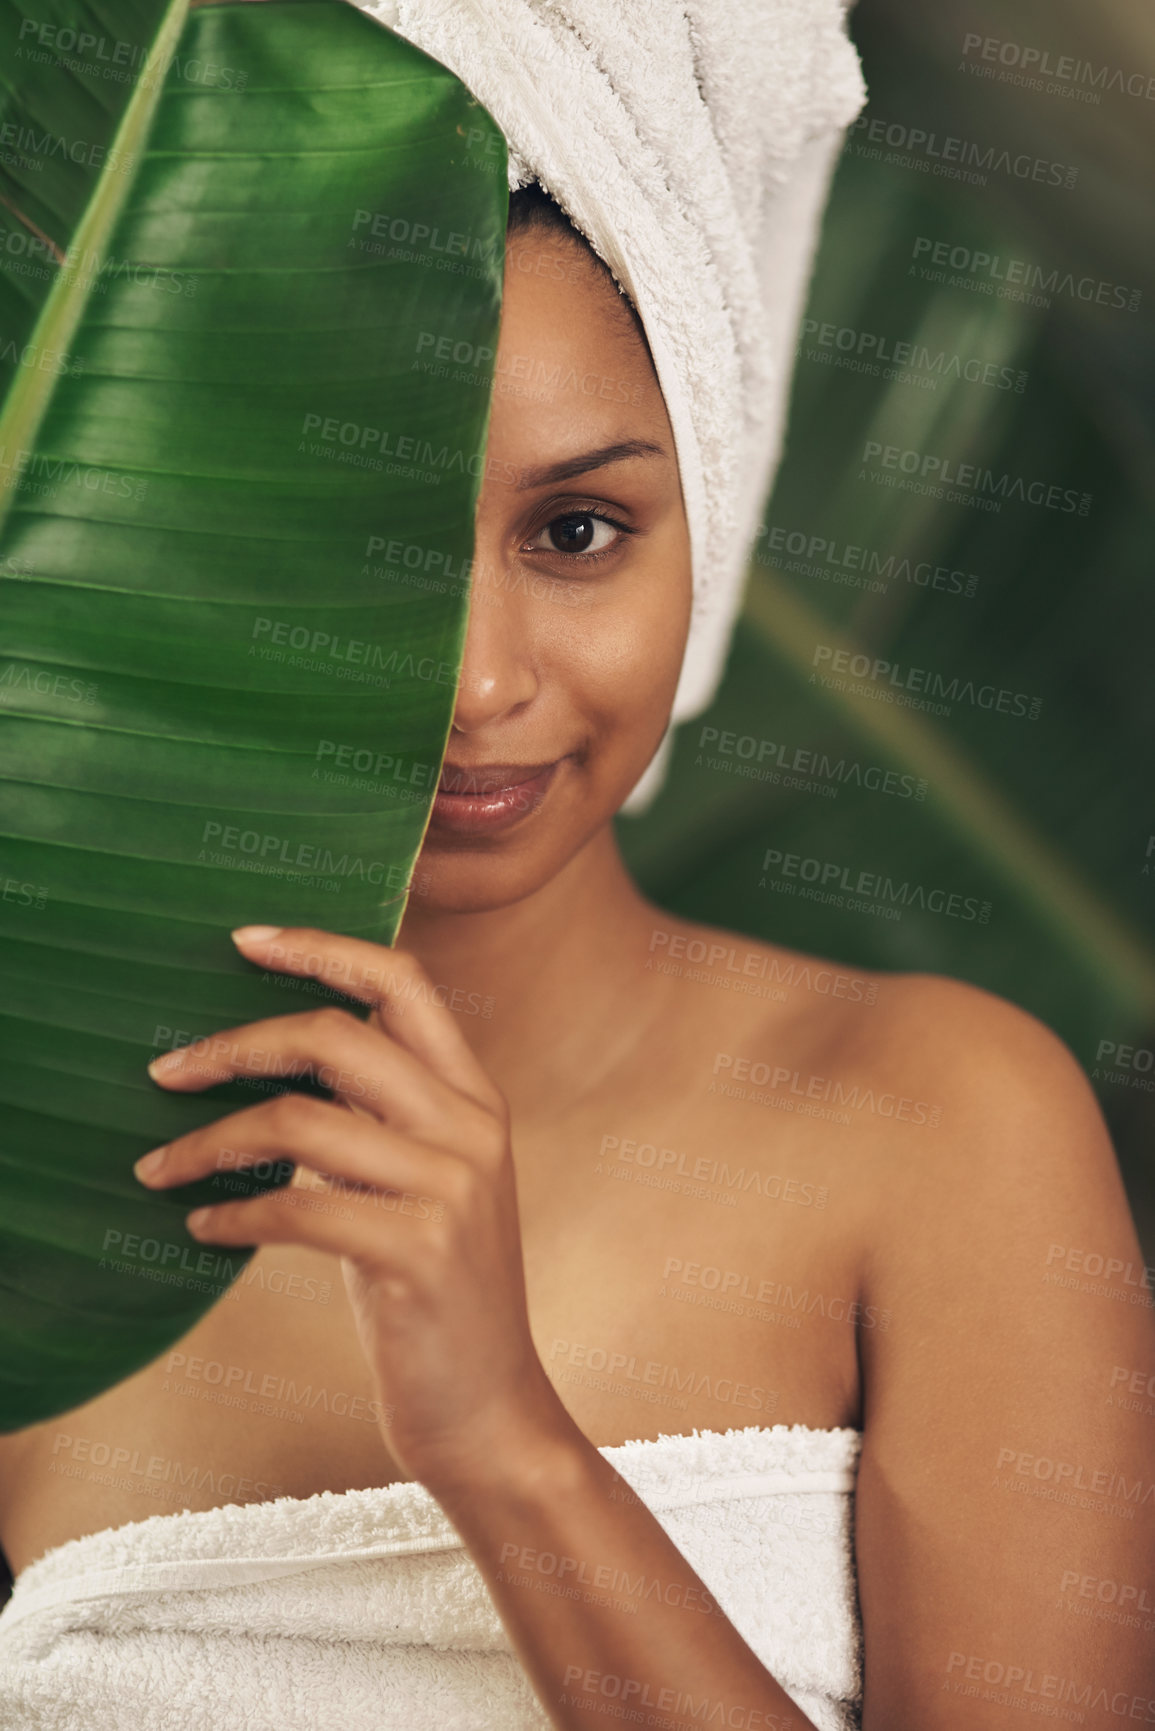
pixel 468 881
pixel 461 869
pixel 474 862
pixel 456 877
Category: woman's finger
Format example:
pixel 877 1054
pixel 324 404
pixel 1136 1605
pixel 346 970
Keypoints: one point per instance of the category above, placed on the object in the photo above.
pixel 389 980
pixel 355 1061
pixel 371 1228
pixel 300 1132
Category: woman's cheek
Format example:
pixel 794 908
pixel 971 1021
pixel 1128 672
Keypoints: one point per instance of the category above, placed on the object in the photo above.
pixel 630 650
pixel 628 684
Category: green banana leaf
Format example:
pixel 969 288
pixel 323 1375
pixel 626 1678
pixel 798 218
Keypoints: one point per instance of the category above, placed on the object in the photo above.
pixel 238 482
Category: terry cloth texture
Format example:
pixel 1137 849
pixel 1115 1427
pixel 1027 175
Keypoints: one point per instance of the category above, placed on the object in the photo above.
pixel 364 1612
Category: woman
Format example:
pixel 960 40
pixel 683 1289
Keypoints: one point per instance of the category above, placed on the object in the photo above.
pixel 545 1247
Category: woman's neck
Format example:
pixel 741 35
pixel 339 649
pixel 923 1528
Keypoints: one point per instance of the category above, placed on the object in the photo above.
pixel 564 969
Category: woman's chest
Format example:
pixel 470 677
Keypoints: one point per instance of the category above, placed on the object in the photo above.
pixel 670 1288
pixel 673 1288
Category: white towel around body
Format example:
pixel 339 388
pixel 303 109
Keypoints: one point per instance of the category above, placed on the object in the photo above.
pixel 363 1611
pixel 693 145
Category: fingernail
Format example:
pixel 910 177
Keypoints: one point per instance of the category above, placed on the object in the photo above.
pixel 256 934
pixel 150 1164
pixel 165 1064
pixel 198 1219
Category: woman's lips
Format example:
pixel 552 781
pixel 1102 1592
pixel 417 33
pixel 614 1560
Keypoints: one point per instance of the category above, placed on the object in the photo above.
pixel 476 799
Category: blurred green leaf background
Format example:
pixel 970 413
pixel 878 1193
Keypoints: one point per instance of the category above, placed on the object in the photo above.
pixel 1050 820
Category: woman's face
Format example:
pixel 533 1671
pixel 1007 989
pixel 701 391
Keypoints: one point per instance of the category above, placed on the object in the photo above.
pixel 581 589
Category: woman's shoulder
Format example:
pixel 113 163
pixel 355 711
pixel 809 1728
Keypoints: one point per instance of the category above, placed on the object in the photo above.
pixel 963 1144
pixel 978 1047
pixel 1011 1093
pixel 1000 1089
pixel 963 1156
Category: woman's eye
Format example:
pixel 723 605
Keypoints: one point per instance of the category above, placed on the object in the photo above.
pixel 576 532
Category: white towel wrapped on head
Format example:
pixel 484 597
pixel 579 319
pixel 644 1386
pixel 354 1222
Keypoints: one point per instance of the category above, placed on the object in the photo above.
pixel 692 145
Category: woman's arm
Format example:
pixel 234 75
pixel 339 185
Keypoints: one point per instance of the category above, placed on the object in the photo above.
pixel 604 1611
pixel 408 1176
pixel 1005 1516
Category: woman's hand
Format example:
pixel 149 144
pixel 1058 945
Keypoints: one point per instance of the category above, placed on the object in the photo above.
pixel 406 1174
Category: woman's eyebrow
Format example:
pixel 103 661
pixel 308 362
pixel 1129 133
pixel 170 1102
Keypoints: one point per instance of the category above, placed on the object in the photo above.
pixel 544 474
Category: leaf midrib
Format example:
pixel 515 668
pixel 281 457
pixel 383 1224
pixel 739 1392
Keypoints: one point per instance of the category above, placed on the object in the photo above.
pixel 67 299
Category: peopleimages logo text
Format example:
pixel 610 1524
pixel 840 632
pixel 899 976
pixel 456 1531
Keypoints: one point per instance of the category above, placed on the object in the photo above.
pixel 963 153
pixel 1053 281
pixel 972 478
pixel 868 347
pixel 924 679
pixel 818 555
pixel 833 876
pixel 48 144
pixel 1065 68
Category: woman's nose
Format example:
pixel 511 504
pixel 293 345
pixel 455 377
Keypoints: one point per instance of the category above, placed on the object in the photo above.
pixel 498 674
